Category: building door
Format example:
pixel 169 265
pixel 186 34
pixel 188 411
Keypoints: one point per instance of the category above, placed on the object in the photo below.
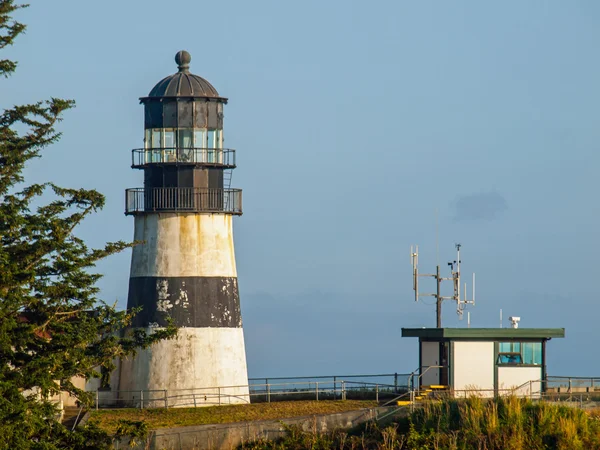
pixel 430 357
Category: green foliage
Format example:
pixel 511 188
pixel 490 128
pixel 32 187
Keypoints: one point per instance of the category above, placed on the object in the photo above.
pixel 52 325
pixel 475 423
pixel 134 431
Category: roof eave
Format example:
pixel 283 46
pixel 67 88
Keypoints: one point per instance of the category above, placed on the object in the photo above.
pixel 484 333
pixel 193 97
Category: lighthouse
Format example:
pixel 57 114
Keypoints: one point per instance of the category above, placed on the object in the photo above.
pixel 184 267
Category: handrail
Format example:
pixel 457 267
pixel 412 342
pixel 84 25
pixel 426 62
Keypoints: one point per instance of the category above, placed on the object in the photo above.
pixel 142 157
pixel 183 199
pixel 422 373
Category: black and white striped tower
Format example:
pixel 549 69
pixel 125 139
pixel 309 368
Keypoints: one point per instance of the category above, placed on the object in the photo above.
pixel 185 267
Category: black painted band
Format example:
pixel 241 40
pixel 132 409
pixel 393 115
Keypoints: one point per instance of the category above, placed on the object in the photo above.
pixel 190 301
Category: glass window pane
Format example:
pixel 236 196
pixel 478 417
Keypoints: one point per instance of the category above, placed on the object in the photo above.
pixel 185 138
pixel 199 139
pixel 509 358
pixel 210 144
pixel 156 139
pixel 527 353
pixel 169 139
pixel 537 353
pixel 505 347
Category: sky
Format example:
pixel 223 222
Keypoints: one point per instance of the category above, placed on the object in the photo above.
pixel 361 128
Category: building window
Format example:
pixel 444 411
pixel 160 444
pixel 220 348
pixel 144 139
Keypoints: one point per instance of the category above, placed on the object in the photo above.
pixel 510 358
pixel 529 352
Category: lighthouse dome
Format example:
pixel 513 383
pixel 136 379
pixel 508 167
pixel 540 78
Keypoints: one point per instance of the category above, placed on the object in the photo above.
pixel 183 83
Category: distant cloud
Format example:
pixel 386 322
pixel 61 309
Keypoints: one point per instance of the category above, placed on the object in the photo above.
pixel 484 206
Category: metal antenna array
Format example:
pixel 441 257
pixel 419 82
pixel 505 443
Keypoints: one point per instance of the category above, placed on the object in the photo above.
pixel 455 278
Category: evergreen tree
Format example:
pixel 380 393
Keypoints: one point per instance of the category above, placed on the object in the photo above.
pixel 52 325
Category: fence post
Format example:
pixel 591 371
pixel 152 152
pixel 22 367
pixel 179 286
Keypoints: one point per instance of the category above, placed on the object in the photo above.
pixel 141 399
pixel 97 397
pixel 194 397
pixel 317 390
pixel 334 388
pixel 268 393
pixel 166 400
pixel 395 383
pixel 530 393
pixel 377 393
pixel 219 393
pixel 569 385
pixel 343 390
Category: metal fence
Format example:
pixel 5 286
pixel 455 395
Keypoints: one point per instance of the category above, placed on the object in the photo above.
pixel 179 199
pixel 364 387
pixel 141 157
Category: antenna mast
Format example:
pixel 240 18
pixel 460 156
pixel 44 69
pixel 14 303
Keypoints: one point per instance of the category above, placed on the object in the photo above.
pixel 455 278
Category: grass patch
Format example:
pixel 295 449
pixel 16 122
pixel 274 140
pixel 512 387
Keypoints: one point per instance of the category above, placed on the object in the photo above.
pixel 472 424
pixel 109 419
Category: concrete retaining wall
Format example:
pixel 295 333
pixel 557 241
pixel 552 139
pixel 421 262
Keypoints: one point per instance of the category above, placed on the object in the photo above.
pixel 229 436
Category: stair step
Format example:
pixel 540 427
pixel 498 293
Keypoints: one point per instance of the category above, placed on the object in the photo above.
pixel 403 402
pixel 436 386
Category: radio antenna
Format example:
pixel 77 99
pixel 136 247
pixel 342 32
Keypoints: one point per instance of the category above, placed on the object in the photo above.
pixel 461 303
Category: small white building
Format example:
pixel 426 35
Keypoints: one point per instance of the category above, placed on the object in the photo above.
pixel 491 361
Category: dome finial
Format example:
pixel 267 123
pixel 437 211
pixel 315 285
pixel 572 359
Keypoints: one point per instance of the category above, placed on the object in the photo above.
pixel 183 58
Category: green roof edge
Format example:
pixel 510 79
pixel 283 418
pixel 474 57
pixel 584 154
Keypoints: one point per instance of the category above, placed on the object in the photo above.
pixel 479 333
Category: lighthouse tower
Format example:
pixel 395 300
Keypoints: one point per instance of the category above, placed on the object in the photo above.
pixel 184 268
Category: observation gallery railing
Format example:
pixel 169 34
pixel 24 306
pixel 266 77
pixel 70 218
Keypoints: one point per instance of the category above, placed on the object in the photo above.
pixel 141 157
pixel 140 200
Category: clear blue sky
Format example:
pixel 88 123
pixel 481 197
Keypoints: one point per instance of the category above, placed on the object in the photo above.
pixel 354 122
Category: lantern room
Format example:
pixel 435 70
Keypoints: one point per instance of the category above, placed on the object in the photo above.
pixel 186 167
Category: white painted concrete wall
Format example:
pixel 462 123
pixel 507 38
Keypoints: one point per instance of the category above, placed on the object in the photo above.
pixel 473 367
pixel 185 245
pixel 191 366
pixel 430 355
pixel 199 360
pixel 513 377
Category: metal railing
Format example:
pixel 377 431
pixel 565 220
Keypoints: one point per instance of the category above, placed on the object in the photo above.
pixel 225 157
pixel 180 199
pixel 324 388
pixel 255 393
pixel 563 384
pixel 398 380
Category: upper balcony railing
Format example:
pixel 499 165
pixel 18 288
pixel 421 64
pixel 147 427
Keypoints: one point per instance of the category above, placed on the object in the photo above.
pixel 181 199
pixel 222 157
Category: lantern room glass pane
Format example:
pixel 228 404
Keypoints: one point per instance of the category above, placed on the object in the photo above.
pixel 199 139
pixel 169 146
pixel 147 138
pixel 156 144
pixel 185 138
pixel 210 144
pixel 169 139
pixel 156 139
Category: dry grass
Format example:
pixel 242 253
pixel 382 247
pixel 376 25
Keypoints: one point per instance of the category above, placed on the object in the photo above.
pixel 181 417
